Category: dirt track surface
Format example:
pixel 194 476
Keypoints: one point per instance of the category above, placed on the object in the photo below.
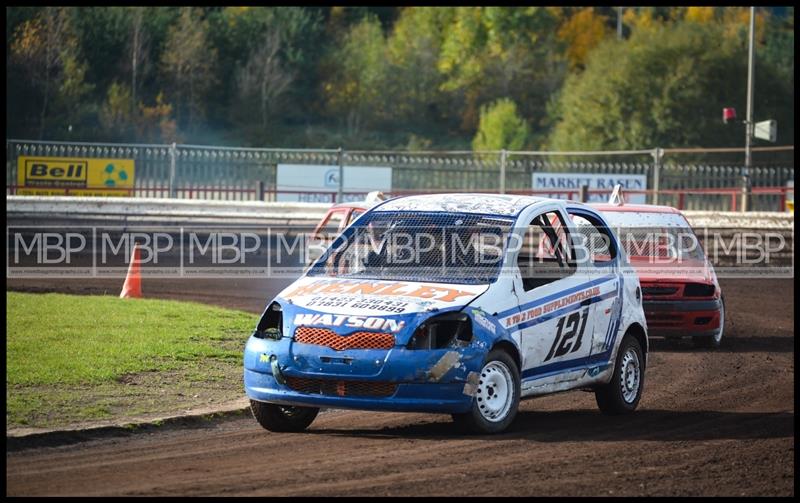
pixel 710 423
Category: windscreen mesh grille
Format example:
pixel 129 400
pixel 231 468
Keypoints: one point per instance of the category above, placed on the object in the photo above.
pixel 419 246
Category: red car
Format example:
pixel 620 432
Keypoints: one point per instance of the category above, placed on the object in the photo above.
pixel 337 219
pixel 680 291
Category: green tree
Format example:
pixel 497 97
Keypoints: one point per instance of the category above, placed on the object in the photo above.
pixel 264 76
pixel 341 19
pixel 582 31
pixel 46 51
pixel 102 34
pixel 501 127
pixel 188 63
pixel 117 113
pixel 495 52
pixel 267 64
pixel 778 50
pixel 358 68
pixel 138 42
pixel 389 77
pixel 154 124
pixel 413 51
pixel 665 86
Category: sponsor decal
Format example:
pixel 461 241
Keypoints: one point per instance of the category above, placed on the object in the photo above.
pixel 357 302
pixel 537 311
pixel 381 289
pixel 49 176
pixel 263 358
pixel 483 321
pixel 340 320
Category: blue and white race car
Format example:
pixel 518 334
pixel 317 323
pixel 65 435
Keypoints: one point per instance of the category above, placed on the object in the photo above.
pixel 453 303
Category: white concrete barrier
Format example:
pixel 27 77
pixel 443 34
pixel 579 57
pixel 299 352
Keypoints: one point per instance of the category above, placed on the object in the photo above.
pixel 131 209
pixel 134 210
pixel 740 220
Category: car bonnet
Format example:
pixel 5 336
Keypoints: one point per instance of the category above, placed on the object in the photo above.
pixel 364 297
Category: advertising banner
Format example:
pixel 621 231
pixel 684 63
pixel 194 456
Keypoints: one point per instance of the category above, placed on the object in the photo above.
pixel 314 183
pixel 574 181
pixel 73 176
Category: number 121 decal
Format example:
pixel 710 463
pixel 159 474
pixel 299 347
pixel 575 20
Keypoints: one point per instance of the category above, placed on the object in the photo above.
pixel 568 327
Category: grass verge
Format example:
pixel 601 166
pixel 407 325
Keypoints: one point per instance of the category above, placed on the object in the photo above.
pixel 77 359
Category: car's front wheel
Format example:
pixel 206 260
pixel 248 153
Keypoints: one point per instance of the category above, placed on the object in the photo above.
pixel 622 394
pixel 283 418
pixel 497 398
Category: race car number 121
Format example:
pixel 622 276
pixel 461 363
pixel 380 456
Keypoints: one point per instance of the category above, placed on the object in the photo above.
pixel 575 323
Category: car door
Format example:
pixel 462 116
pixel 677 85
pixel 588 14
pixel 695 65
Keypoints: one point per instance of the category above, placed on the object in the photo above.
pixel 596 249
pixel 555 316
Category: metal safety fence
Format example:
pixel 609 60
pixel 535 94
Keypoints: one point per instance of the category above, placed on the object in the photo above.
pixel 696 179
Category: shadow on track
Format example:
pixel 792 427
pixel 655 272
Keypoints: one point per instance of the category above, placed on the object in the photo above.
pixel 765 344
pixel 588 426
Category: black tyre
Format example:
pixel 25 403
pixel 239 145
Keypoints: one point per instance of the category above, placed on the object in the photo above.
pixel 716 340
pixel 622 394
pixel 283 418
pixel 497 399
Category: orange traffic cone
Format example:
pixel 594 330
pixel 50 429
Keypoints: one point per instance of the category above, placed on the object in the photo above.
pixel 133 282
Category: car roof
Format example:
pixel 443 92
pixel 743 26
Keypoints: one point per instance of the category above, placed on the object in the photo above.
pixel 635 208
pixel 488 204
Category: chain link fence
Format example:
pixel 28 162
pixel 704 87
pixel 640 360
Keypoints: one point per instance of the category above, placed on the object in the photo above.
pixel 697 179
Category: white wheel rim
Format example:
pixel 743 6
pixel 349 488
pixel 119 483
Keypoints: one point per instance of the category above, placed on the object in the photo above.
pixel 630 377
pixel 495 391
pixel 718 337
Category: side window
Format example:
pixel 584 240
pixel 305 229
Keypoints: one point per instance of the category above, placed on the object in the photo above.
pixel 546 253
pixel 593 242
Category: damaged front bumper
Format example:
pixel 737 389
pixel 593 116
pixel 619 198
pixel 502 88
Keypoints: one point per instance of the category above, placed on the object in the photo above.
pixel 289 373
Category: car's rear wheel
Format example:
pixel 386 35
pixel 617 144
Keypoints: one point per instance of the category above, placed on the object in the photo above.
pixel 622 394
pixel 497 398
pixel 713 341
pixel 283 418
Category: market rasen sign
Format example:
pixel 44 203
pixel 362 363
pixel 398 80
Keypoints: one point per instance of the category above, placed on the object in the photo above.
pixel 574 181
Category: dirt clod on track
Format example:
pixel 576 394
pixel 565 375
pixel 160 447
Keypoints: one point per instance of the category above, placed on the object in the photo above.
pixel 711 422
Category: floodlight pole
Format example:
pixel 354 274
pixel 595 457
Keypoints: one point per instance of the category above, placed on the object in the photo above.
pixel 748 159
